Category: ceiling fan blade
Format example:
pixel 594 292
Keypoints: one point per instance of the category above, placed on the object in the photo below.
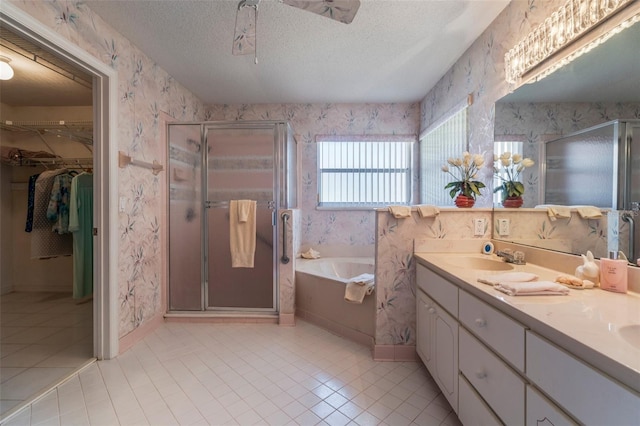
pixel 339 10
pixel 244 37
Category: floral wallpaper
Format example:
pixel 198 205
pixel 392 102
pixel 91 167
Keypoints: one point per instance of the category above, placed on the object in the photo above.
pixel 395 266
pixel 536 123
pixel 328 227
pixel 145 91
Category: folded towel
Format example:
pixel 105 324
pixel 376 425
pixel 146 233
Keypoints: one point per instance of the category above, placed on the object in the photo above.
pixel 310 254
pixel 533 288
pixel 589 212
pixel 513 277
pixel 242 235
pixel 426 210
pixel 400 212
pixel 556 212
pixel 358 287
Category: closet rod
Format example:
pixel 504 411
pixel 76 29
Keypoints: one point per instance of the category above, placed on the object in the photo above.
pixel 86 161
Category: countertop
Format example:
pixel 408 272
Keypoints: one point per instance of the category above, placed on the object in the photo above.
pixel 585 323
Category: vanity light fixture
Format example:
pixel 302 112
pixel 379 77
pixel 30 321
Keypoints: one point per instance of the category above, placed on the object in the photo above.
pixel 6 72
pixel 570 22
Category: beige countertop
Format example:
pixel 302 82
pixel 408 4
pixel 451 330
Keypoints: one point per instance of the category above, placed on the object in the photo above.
pixel 585 323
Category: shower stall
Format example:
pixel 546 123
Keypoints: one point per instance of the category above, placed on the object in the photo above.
pixel 211 164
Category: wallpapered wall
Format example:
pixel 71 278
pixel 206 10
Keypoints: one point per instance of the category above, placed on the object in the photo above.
pixel 145 90
pixel 328 227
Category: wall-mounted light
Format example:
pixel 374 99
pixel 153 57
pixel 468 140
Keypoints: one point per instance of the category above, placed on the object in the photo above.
pixel 6 72
pixel 570 22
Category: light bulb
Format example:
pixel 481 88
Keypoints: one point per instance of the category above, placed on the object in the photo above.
pixel 6 72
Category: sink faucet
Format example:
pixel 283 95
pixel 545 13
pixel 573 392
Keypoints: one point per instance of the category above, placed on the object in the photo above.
pixel 517 257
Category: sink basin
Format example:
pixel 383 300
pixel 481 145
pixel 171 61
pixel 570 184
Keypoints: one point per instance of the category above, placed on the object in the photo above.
pixel 480 263
pixel 631 333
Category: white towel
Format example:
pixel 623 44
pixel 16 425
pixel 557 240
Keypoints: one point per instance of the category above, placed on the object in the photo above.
pixel 533 288
pixel 242 233
pixel 358 287
pixel 589 212
pixel 400 212
pixel 512 277
pixel 426 210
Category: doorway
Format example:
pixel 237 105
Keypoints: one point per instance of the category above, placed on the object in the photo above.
pixel 97 318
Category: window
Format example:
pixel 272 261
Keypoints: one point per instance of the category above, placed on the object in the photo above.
pixel 441 141
pixel 364 171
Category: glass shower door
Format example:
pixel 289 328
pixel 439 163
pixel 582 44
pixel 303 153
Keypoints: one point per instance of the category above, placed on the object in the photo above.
pixel 240 166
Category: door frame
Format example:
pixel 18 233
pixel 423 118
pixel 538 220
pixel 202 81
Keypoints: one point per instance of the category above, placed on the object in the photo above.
pixel 105 130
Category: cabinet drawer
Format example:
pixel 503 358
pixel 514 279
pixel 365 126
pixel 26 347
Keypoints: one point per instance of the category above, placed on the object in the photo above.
pixel 494 380
pixel 590 396
pixel 439 289
pixel 497 330
pixel 541 411
pixel 473 410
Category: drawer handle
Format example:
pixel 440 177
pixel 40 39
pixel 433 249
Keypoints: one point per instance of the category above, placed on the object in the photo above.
pixel 481 322
pixel 431 310
pixel 481 374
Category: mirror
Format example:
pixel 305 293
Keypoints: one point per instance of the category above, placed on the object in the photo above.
pixel 600 86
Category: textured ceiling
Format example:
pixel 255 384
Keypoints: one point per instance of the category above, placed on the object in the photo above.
pixel 393 51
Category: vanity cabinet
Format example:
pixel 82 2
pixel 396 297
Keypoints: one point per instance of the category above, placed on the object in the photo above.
pixel 437 331
pixel 494 369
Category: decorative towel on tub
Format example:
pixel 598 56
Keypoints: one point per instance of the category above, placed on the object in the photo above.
pixel 400 212
pixel 358 287
pixel 425 210
pixel 558 212
pixel 589 212
pixel 242 233
pixel 532 288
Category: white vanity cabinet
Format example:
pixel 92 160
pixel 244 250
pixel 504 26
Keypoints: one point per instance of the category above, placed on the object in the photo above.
pixel 437 331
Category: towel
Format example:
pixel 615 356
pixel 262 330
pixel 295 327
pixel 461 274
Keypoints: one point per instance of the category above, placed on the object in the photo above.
pixel 358 287
pixel 533 288
pixel 512 277
pixel 242 233
pixel 310 254
pixel 400 212
pixel 556 212
pixel 426 210
pixel 589 212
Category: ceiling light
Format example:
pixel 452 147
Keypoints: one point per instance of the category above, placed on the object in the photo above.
pixel 6 72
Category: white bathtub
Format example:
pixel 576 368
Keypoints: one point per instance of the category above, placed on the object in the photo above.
pixel 320 285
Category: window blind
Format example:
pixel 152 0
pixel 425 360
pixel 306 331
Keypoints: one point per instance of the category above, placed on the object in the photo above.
pixel 447 140
pixel 364 172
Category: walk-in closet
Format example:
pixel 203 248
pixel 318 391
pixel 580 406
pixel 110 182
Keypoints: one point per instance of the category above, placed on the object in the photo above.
pixel 46 214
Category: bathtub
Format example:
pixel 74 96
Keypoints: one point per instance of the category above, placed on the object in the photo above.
pixel 320 285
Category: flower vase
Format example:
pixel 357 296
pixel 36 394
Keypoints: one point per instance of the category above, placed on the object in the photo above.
pixel 512 202
pixel 464 201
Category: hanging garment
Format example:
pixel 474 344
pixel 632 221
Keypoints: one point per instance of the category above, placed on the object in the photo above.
pixel 81 225
pixel 30 199
pixel 44 242
pixel 58 209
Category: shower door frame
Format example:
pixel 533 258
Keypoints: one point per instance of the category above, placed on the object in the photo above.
pixel 279 139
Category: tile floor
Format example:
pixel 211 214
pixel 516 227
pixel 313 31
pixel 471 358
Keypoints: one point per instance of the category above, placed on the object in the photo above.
pixel 44 337
pixel 243 374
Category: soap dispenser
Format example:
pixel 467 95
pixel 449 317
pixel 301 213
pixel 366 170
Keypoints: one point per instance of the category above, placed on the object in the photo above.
pixel 613 273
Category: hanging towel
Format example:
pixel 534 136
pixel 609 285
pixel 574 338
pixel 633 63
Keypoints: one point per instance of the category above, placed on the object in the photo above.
pixel 558 212
pixel 533 288
pixel 242 233
pixel 400 212
pixel 513 277
pixel 589 212
pixel 426 210
pixel 359 287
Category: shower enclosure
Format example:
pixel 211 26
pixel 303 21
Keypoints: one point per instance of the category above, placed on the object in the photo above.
pixel 212 163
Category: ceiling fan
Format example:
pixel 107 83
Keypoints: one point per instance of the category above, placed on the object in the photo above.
pixel 244 39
